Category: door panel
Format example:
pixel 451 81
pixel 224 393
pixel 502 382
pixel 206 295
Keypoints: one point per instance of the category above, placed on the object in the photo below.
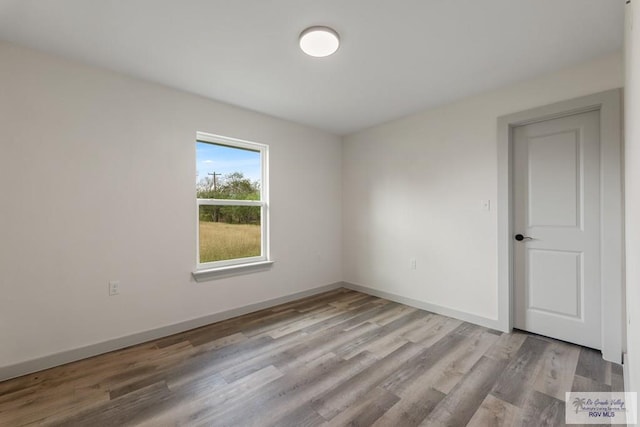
pixel 556 183
pixel 555 282
pixel 554 177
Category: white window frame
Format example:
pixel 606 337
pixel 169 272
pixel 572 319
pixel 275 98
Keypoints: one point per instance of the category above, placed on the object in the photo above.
pixel 226 265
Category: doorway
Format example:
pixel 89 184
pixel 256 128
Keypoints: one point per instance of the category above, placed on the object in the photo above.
pixel 556 216
pixel 560 194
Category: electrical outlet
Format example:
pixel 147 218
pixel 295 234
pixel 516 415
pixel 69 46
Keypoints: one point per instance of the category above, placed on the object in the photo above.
pixel 114 287
pixel 485 205
pixel 412 263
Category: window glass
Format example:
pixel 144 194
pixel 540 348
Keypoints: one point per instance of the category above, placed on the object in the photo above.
pixel 228 172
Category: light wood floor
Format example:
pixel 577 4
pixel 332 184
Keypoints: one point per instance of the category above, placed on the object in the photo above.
pixel 339 358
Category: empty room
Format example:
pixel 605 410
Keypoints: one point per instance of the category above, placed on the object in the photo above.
pixel 319 213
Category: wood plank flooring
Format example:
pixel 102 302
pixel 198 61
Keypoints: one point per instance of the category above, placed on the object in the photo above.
pixel 341 358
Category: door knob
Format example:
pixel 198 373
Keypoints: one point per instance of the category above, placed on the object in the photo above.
pixel 520 237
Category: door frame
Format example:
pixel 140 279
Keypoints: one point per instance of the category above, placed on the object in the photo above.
pixel 609 104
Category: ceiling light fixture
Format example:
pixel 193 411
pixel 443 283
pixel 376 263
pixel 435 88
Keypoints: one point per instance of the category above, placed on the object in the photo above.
pixel 319 41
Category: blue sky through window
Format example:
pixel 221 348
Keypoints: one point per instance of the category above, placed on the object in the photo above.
pixel 216 158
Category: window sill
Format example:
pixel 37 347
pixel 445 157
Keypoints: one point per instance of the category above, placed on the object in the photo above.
pixel 231 270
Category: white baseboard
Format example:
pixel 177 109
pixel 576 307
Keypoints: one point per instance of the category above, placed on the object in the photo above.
pixel 434 308
pixel 57 359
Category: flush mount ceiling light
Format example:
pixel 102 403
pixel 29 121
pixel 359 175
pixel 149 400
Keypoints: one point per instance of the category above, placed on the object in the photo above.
pixel 319 41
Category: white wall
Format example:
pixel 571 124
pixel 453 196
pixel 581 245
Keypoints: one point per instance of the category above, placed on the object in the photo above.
pixel 632 193
pixel 97 174
pixel 413 189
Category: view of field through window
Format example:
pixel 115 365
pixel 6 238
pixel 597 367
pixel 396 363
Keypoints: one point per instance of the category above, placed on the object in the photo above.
pixel 228 231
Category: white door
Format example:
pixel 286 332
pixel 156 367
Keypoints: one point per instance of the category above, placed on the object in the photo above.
pixel 556 185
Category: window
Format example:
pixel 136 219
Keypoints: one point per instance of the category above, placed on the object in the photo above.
pixel 231 192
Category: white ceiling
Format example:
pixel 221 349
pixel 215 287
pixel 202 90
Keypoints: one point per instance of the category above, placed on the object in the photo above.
pixel 396 57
